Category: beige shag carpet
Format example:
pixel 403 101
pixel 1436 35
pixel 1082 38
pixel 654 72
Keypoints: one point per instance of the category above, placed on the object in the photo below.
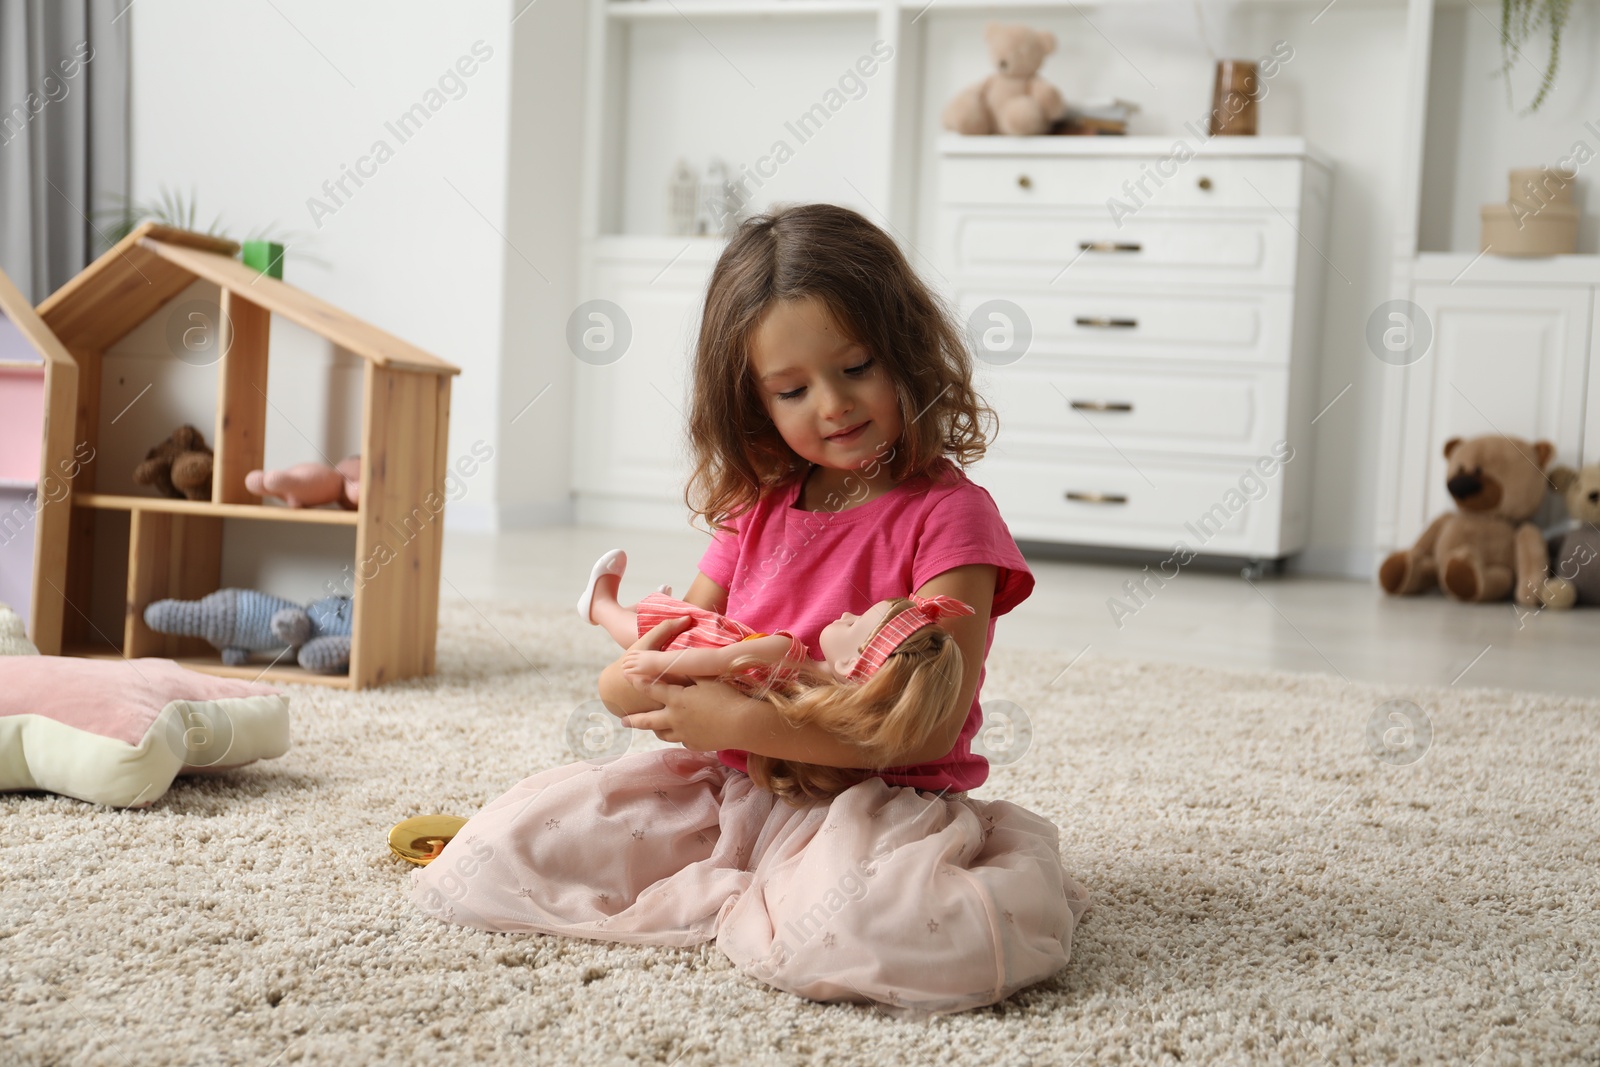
pixel 1266 889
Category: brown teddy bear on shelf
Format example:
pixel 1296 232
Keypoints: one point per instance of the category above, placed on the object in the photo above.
pixel 1486 549
pixel 1575 554
pixel 1014 100
pixel 179 467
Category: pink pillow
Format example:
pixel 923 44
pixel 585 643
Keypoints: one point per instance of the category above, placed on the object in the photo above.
pixel 117 732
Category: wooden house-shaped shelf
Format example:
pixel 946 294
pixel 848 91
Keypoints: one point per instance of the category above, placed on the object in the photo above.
pixel 175 546
pixel 36 374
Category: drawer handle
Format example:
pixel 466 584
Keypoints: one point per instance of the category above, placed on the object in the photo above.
pixel 1024 181
pixel 1096 498
pixel 1101 405
pixel 1108 246
pixel 1204 183
pixel 1102 323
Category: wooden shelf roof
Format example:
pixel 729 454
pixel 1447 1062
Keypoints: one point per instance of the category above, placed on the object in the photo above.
pixel 15 306
pixel 153 264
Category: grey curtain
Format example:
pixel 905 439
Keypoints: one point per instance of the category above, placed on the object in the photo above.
pixel 63 135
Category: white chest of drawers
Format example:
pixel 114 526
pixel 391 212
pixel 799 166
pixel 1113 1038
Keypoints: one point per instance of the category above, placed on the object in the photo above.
pixel 1172 300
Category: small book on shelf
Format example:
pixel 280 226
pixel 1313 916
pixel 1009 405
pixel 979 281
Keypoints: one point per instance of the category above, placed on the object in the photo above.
pixel 1102 117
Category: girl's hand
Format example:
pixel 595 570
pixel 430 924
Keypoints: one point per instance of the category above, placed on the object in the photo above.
pixel 661 633
pixel 703 717
pixel 618 693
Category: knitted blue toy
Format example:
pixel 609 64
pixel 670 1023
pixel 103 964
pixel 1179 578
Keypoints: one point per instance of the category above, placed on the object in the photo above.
pixel 238 622
pixel 321 631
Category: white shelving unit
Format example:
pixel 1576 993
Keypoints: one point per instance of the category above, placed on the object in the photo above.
pixel 637 100
pixel 629 467
pixel 672 9
pixel 1170 350
pixel 692 79
pixel 1515 341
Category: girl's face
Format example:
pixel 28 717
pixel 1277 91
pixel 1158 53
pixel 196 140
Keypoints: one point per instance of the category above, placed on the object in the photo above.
pixel 843 639
pixel 831 400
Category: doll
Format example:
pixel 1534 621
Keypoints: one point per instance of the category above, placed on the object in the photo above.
pixel 887 677
pixel 310 485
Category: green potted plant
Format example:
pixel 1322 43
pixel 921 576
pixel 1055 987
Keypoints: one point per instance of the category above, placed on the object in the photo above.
pixel 262 249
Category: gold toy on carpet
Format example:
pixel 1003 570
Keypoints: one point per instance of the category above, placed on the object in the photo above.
pixel 421 838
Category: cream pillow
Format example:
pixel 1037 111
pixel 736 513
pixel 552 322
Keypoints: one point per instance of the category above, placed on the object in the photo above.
pixel 117 732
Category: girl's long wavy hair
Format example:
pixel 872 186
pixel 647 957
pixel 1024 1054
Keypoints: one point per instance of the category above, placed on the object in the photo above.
pixel 893 711
pixel 856 270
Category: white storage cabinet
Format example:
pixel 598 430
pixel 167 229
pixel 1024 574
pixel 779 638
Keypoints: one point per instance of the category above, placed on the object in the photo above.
pixel 1173 334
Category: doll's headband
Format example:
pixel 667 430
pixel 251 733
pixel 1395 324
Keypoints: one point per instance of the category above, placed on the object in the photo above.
pixel 925 611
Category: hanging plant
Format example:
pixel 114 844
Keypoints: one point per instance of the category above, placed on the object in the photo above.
pixel 1519 21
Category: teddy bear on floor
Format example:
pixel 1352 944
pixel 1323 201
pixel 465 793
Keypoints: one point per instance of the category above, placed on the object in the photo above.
pixel 1575 554
pixel 238 622
pixel 1486 549
pixel 1014 100
pixel 179 467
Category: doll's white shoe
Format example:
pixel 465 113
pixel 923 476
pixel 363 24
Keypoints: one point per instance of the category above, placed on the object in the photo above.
pixel 613 562
pixel 664 590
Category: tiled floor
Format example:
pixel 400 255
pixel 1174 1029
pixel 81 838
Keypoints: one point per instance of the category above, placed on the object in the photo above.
pixel 1212 618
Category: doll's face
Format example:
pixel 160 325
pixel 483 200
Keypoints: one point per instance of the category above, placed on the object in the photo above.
pixel 843 639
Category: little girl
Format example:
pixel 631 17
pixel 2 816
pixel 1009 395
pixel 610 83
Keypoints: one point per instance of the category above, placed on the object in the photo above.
pixel 832 411
pixel 888 675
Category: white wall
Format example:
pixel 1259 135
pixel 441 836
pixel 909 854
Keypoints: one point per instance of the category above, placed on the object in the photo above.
pixel 1154 54
pixel 254 106
pixel 533 484
pixel 249 110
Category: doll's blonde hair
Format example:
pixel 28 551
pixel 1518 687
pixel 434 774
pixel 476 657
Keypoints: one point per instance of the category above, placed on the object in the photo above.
pixel 893 711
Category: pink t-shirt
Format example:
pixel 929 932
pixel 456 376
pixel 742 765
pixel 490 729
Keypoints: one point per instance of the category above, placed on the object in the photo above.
pixel 800 570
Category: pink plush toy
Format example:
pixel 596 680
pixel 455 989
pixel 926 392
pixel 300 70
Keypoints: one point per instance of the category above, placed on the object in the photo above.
pixel 1014 100
pixel 309 485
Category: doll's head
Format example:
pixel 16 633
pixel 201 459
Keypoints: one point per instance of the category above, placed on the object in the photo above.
pixel 814 322
pixel 843 640
pixel 901 682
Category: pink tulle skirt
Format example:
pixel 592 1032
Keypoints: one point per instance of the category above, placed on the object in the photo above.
pixel 915 901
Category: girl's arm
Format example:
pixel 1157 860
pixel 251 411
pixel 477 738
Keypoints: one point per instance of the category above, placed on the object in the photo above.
pixel 710 716
pixel 975 584
pixel 702 662
pixel 705 593
pixel 616 692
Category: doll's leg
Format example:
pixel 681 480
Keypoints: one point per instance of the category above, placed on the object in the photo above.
pixel 599 605
pixel 620 622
